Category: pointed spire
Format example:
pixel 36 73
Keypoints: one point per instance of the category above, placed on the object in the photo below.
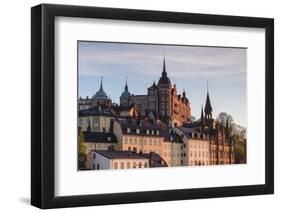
pixel 101 87
pixel 164 72
pixel 208 107
pixel 183 93
pixel 126 86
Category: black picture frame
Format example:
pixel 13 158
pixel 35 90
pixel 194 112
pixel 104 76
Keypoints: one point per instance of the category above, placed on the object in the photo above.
pixel 43 101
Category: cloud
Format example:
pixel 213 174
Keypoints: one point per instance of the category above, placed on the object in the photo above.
pixel 187 62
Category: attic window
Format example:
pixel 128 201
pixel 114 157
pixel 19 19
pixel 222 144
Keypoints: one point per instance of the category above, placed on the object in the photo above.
pixel 109 139
pixel 147 131
pixel 157 132
pixel 138 131
pixel 152 132
pixel 128 130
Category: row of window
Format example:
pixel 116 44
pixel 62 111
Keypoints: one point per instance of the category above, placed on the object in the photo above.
pixel 199 163
pixel 138 141
pixel 148 132
pixel 199 154
pixel 129 165
pixel 199 145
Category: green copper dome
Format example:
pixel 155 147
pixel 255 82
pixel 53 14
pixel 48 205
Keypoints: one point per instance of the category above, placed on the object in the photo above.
pixel 126 92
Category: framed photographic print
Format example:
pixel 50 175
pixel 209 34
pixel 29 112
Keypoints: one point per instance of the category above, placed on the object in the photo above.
pixel 139 106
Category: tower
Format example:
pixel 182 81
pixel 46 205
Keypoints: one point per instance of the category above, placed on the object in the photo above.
pixel 124 98
pixel 152 93
pixel 208 110
pixel 100 98
pixel 164 96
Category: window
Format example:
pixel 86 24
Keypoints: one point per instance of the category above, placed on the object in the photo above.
pixel 94 166
pixel 147 131
pixel 128 130
pixel 140 164
pixel 128 165
pixel 145 165
pixel 150 142
pixel 94 156
pixel 115 165
pixel 138 131
pixel 155 142
pixel 157 132
pixel 144 141
pixel 122 165
pixel 98 166
pixel 134 165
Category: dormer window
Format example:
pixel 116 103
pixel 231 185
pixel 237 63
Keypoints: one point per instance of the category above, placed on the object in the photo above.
pixel 157 132
pixel 109 139
pixel 138 131
pixel 147 131
pixel 128 130
pixel 152 132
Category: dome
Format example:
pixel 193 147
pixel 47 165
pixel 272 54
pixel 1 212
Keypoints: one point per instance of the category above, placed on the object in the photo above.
pixel 126 92
pixel 100 95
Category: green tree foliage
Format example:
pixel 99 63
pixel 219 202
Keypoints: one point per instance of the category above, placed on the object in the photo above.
pixel 240 150
pixel 238 134
pixel 82 150
pixel 223 117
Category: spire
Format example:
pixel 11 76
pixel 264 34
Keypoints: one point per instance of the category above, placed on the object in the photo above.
pixel 183 93
pixel 202 114
pixel 126 86
pixel 126 92
pixel 208 107
pixel 164 78
pixel 164 72
pixel 101 87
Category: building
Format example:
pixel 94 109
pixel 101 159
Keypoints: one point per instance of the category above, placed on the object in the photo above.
pixel 162 100
pixel 172 149
pixel 99 141
pixel 138 135
pixel 196 146
pixel 147 136
pixel 111 159
pixel 96 119
pixel 220 136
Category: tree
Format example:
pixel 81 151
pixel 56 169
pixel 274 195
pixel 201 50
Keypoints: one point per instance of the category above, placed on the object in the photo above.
pixel 223 117
pixel 82 150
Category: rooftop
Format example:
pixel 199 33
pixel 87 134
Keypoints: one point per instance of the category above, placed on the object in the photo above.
pixel 96 111
pixel 99 137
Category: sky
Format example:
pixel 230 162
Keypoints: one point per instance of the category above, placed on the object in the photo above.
pixel 191 68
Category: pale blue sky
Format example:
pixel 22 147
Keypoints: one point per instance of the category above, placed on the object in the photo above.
pixel 189 67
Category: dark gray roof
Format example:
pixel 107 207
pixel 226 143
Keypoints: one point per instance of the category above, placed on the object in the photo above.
pixel 113 154
pixel 100 94
pixel 99 137
pixel 96 111
pixel 172 137
pixel 142 126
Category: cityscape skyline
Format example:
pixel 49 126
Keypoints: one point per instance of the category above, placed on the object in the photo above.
pixel 223 68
